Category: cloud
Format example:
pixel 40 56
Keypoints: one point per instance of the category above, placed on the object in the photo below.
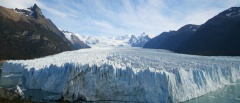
pixel 121 17
pixel 18 3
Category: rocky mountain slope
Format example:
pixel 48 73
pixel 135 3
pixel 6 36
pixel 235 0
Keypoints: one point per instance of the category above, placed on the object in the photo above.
pixel 12 95
pixel 27 33
pixel 74 40
pixel 220 35
pixel 172 39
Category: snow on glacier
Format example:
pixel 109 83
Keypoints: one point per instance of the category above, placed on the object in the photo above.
pixel 127 74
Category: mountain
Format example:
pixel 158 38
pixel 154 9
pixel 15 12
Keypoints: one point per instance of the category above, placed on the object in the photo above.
pixel 220 35
pixel 27 33
pixel 124 37
pixel 140 41
pixel 133 39
pixel 172 39
pixel 103 41
pixel 74 40
pixel 118 41
pixel 34 13
pixel 88 39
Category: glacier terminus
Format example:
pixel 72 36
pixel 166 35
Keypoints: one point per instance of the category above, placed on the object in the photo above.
pixel 127 74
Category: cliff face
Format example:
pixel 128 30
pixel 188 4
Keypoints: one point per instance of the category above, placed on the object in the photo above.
pixel 26 33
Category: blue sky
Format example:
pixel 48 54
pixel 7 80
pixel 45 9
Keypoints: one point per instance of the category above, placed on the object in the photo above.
pixel 123 17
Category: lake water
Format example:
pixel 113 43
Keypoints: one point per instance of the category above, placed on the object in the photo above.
pixel 10 80
pixel 228 94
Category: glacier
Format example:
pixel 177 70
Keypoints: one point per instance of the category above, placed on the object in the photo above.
pixel 127 74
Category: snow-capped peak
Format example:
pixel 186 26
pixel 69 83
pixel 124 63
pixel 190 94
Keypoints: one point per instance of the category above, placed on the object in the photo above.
pixel 139 41
pixel 144 37
pixel 146 34
pixel 123 37
pixel 32 12
pixel 27 12
pixel 86 39
pixel 64 31
pixel 143 34
pixel 67 34
pixel 125 40
pixel 132 40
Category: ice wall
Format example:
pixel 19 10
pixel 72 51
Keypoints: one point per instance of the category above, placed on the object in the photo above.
pixel 109 83
pixel 51 78
pixel 127 75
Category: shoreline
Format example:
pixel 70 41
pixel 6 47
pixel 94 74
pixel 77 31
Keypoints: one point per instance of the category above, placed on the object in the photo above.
pixel 1 63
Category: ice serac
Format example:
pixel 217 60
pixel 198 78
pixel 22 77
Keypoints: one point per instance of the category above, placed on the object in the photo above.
pixel 118 74
pixel 178 85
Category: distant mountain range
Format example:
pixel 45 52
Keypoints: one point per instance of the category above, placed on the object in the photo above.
pixel 27 33
pixel 118 41
pixel 139 41
pixel 220 35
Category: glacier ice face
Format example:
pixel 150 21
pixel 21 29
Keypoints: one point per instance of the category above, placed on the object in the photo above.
pixel 127 74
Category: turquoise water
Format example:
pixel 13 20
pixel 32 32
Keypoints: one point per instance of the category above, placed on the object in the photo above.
pixel 11 80
pixel 228 94
pixel 38 95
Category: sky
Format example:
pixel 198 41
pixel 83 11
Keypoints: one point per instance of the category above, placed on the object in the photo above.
pixel 125 17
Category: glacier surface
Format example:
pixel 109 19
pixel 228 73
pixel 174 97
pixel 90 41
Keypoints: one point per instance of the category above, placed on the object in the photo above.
pixel 127 74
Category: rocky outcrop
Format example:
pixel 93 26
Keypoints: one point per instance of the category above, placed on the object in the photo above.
pixel 13 94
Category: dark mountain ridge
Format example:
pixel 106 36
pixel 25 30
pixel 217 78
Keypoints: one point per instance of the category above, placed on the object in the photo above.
pixel 172 39
pixel 26 34
pixel 220 35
